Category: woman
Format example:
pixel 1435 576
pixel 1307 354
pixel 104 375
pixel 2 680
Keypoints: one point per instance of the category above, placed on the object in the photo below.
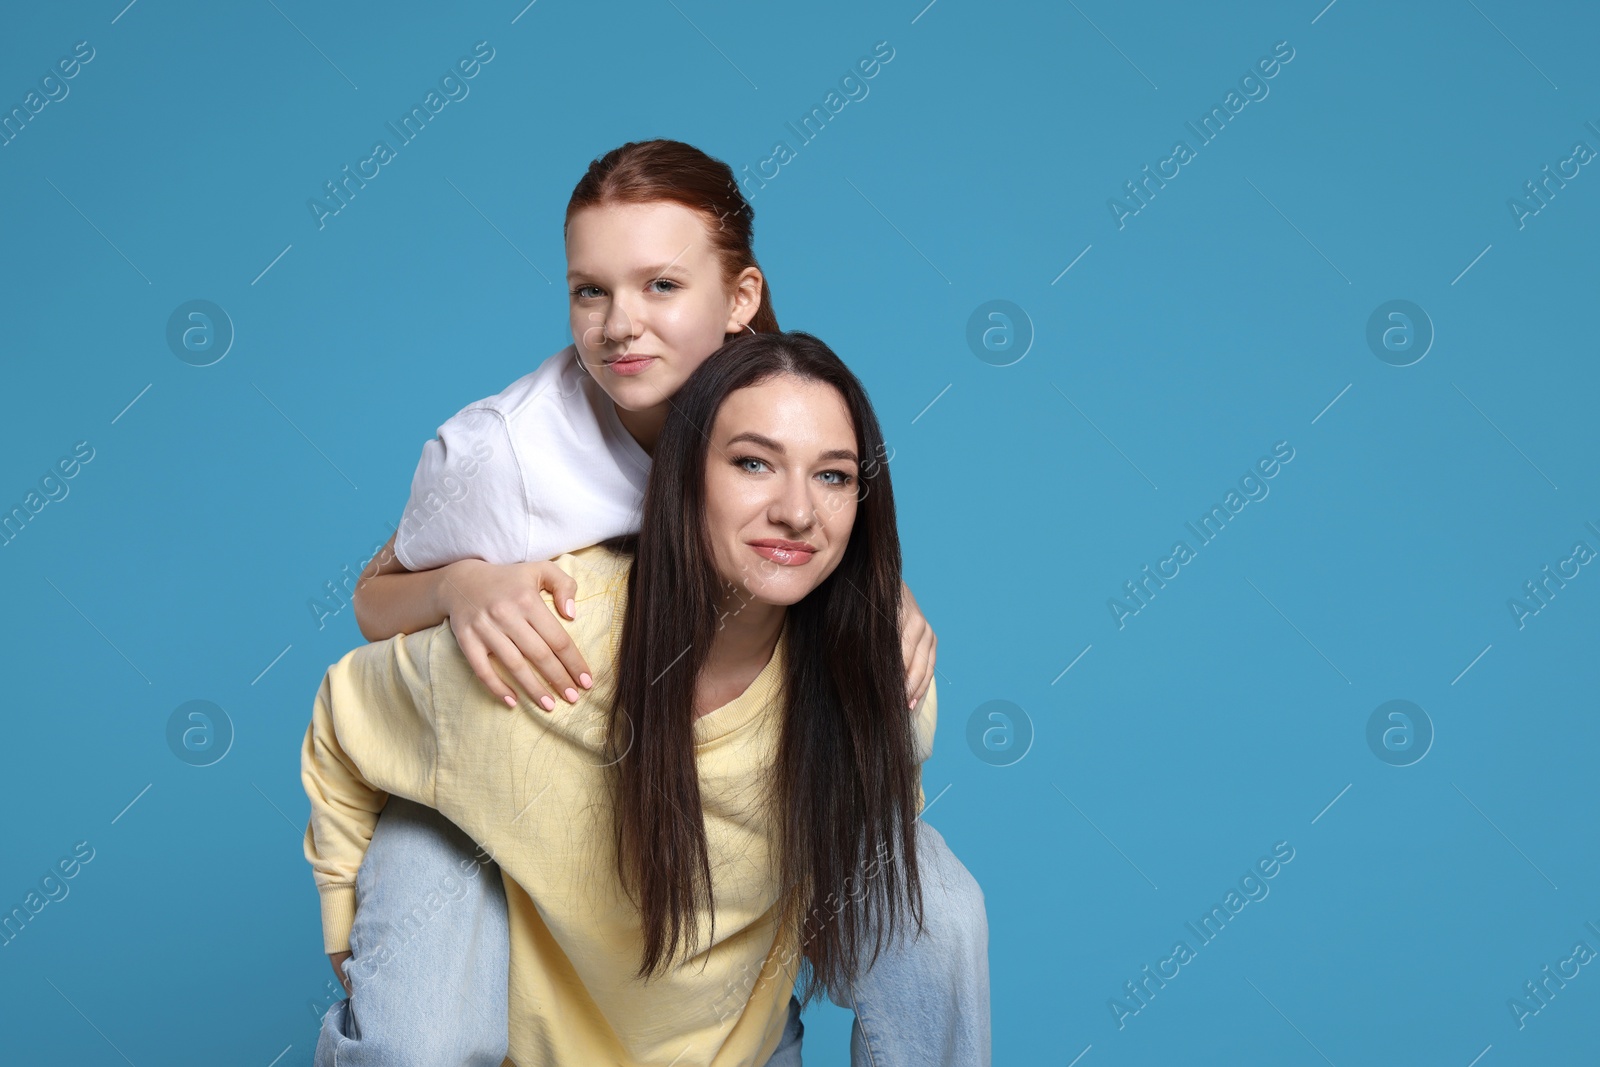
pixel 689 830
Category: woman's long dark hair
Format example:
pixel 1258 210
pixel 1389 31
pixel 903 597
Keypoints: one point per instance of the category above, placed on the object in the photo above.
pixel 844 790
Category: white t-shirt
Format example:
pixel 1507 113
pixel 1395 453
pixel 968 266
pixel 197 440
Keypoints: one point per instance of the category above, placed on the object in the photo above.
pixel 543 468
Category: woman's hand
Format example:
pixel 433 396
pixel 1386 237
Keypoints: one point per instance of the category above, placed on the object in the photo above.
pixel 918 644
pixel 498 614
pixel 337 959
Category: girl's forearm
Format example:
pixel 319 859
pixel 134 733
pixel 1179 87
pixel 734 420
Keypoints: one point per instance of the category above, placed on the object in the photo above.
pixel 400 602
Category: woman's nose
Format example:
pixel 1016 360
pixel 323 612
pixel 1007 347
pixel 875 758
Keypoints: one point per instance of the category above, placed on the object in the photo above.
pixel 794 507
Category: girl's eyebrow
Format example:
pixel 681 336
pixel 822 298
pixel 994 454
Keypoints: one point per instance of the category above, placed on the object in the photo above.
pixel 654 271
pixel 657 271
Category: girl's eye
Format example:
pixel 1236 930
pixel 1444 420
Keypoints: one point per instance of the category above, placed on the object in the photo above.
pixel 670 285
pixel 742 460
pixel 843 478
pixel 586 291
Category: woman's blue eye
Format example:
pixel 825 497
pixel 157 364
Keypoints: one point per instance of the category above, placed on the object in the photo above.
pixel 663 281
pixel 844 479
pixel 742 460
pixel 583 291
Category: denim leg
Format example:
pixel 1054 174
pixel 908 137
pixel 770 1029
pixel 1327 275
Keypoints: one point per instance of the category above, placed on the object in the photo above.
pixel 787 1054
pixel 430 951
pixel 925 1001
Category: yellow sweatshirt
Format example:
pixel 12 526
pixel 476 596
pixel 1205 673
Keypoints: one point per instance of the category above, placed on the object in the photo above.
pixel 407 716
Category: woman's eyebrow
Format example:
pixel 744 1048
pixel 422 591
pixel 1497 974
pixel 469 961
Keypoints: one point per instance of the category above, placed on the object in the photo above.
pixel 769 443
pixel 757 439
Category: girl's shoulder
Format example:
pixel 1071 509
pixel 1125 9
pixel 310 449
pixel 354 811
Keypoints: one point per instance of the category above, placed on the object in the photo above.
pixel 556 384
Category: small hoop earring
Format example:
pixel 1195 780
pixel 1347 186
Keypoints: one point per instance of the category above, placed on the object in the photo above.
pixel 749 327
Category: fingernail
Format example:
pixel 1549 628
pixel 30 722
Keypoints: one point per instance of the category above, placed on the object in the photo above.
pixel 585 681
pixel 571 694
pixel 510 700
pixel 572 609
pixel 547 703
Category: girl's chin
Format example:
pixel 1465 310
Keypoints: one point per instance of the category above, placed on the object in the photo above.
pixel 647 389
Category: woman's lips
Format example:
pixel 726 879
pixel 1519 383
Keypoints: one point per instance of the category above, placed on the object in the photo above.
pixel 784 553
pixel 629 365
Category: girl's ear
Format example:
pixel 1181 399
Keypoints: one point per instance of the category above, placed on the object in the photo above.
pixel 747 289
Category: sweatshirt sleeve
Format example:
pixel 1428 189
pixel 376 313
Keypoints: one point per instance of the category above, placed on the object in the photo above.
pixel 372 733
pixel 468 500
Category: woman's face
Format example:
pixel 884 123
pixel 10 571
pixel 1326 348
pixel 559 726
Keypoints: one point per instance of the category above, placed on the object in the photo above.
pixel 781 487
pixel 648 302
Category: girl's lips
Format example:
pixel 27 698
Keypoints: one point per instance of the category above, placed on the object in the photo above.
pixel 784 557
pixel 629 365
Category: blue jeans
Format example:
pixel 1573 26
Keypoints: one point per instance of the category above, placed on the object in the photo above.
pixel 430 954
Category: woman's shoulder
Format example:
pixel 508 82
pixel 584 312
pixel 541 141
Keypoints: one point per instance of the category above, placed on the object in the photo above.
pixel 600 570
pixel 605 562
pixel 601 575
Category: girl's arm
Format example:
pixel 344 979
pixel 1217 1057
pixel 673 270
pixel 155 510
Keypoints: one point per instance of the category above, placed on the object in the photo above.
pixel 924 720
pixel 918 644
pixel 495 610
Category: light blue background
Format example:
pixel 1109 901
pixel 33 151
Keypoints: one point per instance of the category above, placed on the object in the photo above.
pixel 1227 315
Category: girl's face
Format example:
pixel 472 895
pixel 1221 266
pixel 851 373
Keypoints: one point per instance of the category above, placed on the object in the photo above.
pixel 781 487
pixel 648 302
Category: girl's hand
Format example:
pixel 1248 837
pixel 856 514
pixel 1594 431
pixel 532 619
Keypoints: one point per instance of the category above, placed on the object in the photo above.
pixel 917 644
pixel 499 616
pixel 337 959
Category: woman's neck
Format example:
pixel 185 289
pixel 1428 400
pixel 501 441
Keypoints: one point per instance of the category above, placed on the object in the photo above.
pixel 740 650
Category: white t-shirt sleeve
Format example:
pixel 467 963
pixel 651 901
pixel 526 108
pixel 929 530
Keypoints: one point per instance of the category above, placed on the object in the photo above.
pixel 468 497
